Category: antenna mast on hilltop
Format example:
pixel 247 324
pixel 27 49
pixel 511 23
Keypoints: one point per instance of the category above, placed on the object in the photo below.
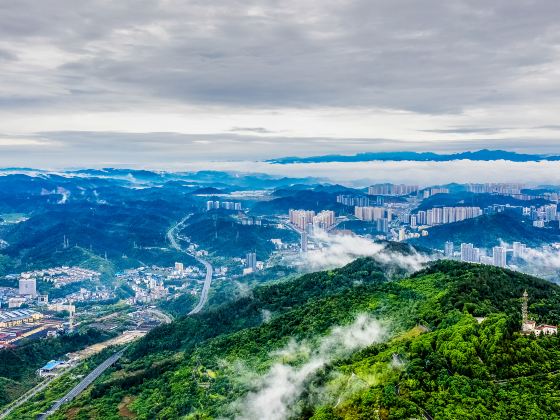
pixel 524 313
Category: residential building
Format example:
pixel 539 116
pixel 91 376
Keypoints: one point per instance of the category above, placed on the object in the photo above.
pixel 28 286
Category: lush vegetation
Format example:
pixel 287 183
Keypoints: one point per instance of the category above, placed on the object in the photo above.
pixel 59 387
pixel 180 305
pixel 221 234
pixel 18 365
pixel 453 351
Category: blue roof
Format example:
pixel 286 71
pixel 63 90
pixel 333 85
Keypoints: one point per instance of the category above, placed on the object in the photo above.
pixel 52 364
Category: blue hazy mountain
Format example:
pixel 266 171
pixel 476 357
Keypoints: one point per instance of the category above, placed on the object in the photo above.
pixel 479 155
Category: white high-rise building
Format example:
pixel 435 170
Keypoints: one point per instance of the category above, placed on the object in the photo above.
pixel 499 256
pixel 28 286
pixel 519 250
pixel 444 215
pixel 324 219
pixel 370 214
pixel 449 249
pixel 392 189
pixel 251 261
pixel 421 218
pixel 469 253
pixel 551 212
pixel 303 242
pixel 301 218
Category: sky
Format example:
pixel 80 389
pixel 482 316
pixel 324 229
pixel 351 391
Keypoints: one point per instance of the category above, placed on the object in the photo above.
pixel 168 84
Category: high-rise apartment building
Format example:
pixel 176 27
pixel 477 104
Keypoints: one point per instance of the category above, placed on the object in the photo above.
pixel 499 256
pixel 392 189
pixel 251 261
pixel 449 249
pixel 370 214
pixel 444 215
pixel 469 253
pixel 324 219
pixel 308 219
pixel 28 286
pixel 519 250
pixel 351 200
pixel 301 218
pixel 383 225
pixel 303 242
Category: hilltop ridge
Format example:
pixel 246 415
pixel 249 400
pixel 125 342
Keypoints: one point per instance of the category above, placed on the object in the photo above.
pixel 449 333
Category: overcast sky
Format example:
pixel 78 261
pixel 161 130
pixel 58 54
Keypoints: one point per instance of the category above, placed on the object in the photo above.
pixel 158 83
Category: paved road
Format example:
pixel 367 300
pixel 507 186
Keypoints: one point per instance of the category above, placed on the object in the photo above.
pixel 205 287
pixel 171 236
pixel 84 383
pixel 28 395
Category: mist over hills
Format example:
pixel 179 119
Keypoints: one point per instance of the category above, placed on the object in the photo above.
pixel 479 155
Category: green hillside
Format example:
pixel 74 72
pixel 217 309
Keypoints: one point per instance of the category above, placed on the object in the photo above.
pixel 352 343
pixel 487 231
pixel 221 234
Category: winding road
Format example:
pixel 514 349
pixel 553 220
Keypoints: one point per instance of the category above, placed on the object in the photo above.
pixel 171 236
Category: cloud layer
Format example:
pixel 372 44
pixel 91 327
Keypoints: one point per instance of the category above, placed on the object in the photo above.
pixel 114 83
pixel 339 250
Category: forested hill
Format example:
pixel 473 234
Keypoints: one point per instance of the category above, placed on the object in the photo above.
pixel 352 343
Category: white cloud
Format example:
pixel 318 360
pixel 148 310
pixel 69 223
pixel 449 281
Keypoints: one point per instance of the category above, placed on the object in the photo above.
pixel 353 74
pixel 420 173
pixel 339 250
pixel 275 393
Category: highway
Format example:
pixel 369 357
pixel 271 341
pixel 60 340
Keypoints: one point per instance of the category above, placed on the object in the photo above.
pixel 29 394
pixel 205 287
pixel 171 236
pixel 84 383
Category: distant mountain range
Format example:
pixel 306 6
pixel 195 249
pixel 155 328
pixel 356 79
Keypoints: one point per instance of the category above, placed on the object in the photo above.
pixel 479 155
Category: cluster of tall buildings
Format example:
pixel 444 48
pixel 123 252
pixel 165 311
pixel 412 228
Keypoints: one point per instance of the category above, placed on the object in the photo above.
pixel 546 213
pixel 227 205
pixel 470 253
pixel 444 215
pixel 304 219
pixel 392 189
pixel 495 188
pixel 361 201
pixel 370 214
